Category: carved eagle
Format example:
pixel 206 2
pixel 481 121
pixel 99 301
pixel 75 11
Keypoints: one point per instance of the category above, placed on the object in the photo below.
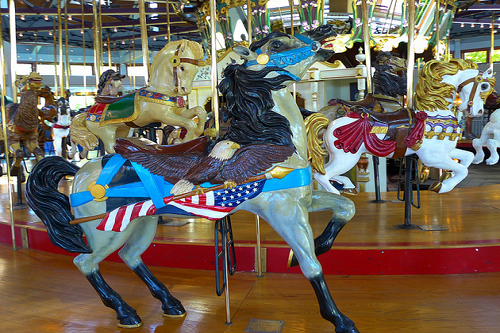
pixel 224 163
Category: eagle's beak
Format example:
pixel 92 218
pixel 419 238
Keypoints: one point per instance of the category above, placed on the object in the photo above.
pixel 235 146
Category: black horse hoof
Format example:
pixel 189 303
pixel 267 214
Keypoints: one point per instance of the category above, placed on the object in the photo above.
pixel 177 311
pixel 131 321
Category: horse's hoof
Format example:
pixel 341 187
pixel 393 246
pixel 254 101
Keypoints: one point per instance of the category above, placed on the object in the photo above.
pixel 132 321
pixel 292 260
pixel 436 187
pixel 175 312
pixel 444 176
pixel 350 191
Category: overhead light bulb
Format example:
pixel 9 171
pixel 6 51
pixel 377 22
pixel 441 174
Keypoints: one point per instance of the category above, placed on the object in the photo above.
pixel 23 18
pixel 482 25
pixel 82 32
pixel 472 25
pixel 70 17
pixel 154 38
pixel 115 30
pixel 46 18
pixel 123 42
pixel 462 25
pixel 20 34
pixel 50 33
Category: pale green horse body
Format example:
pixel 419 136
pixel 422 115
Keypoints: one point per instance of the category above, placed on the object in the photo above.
pixel 286 210
pixel 168 78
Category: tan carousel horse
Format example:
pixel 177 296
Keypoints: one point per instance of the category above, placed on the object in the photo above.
pixel 171 77
pixel 24 118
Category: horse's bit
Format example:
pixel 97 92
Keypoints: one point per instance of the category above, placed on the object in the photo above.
pixel 176 61
pixel 477 80
pixel 287 58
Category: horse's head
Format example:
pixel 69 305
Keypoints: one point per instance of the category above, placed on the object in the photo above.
pixel 35 81
pixel 294 54
pixel 395 63
pixel 473 89
pixel 62 106
pixel 175 66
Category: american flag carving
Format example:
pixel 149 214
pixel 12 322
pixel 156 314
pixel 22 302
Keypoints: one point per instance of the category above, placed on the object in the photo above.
pixel 212 205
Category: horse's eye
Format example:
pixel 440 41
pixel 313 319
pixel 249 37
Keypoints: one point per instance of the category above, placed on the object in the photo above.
pixel 276 45
pixel 182 68
pixel 485 86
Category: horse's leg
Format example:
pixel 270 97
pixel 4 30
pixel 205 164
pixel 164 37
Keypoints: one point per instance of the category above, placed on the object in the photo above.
pixel 103 244
pixel 190 125
pixel 31 143
pixel 202 118
pixel 15 148
pixel 478 146
pixel 57 141
pixel 441 161
pixel 131 255
pixel 289 217
pixel 492 145
pixel 339 163
pixel 343 210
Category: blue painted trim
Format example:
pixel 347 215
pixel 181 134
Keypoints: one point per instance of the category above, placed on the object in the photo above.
pixel 155 190
pixel 296 178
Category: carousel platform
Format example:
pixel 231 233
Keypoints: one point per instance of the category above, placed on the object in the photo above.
pixel 451 233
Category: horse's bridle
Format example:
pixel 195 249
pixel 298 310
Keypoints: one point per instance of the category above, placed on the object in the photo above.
pixel 287 58
pixel 176 61
pixel 476 80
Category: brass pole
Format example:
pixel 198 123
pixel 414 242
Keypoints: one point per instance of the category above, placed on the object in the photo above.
pixel 492 49
pixel 13 49
pixel 109 53
pixel 411 52
pixel 249 21
pixel 168 21
pixel 133 50
pixel 4 121
pixel 66 40
pixel 144 39
pixel 59 25
pixel 56 85
pixel 215 80
pixel 97 43
pixel 84 55
pixel 291 16
pixel 437 30
pixel 366 37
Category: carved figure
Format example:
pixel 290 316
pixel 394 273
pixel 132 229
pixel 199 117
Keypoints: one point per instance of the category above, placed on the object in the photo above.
pixel 171 77
pixel 24 119
pixel 490 138
pixel 60 130
pixel 282 195
pixel 389 88
pixel 431 131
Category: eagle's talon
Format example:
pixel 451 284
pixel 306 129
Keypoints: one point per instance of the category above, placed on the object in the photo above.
pixel 199 190
pixel 229 184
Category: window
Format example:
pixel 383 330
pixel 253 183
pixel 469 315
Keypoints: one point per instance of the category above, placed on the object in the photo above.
pixel 80 70
pixel 481 56
pixel 136 71
pixel 23 69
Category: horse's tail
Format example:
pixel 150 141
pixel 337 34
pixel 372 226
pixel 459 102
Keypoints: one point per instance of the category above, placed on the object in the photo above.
pixel 53 207
pixel 80 133
pixel 314 124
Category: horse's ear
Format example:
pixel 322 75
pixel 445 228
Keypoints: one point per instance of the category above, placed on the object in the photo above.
pixel 243 51
pixel 488 73
pixel 184 43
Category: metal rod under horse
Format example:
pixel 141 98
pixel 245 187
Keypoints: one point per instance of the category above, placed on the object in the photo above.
pixel 172 73
pixel 256 90
pixel 432 132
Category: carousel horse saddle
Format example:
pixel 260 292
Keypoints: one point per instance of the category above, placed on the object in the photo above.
pixel 108 99
pixel 376 103
pixel 127 146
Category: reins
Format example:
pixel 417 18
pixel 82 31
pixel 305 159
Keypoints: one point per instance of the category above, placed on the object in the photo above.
pixel 476 80
pixel 176 61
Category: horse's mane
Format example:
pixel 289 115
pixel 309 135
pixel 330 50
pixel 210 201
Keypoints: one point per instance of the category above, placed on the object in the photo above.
pixel 104 79
pixel 249 106
pixel 388 84
pixel 431 93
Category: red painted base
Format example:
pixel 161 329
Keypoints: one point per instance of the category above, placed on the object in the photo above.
pixel 343 261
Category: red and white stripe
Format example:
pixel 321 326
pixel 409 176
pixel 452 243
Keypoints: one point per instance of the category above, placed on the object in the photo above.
pixel 119 218
pixel 202 205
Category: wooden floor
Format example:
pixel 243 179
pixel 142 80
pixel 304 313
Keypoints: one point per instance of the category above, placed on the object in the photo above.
pixel 45 293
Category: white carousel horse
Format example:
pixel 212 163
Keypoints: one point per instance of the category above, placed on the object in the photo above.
pixel 171 77
pixel 432 133
pixel 60 130
pixel 490 138
pixel 262 113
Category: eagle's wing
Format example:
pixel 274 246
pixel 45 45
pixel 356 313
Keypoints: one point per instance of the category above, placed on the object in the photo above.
pixel 171 166
pixel 251 160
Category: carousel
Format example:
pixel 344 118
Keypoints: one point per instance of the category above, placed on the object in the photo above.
pixel 249 146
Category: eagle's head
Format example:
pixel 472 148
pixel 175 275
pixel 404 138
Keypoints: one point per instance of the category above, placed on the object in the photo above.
pixel 224 150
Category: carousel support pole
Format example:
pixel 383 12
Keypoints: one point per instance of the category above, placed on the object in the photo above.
pixel 144 39
pixel 84 54
pixel 215 109
pixel 410 74
pixel 66 44
pixel 13 50
pixel 97 42
pixel 369 87
pixel 437 56
pixel 168 21
pixel 54 35
pixel 4 123
pixel 492 47
pixel 294 85
pixel 60 31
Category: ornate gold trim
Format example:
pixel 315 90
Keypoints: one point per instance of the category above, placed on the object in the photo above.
pixel 98 191
pixel 379 129
pixel 442 135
